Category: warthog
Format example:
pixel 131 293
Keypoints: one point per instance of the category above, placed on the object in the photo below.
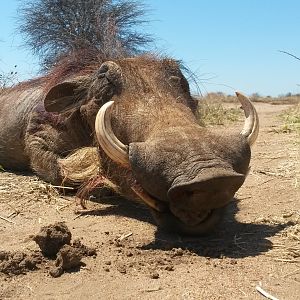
pixel 140 113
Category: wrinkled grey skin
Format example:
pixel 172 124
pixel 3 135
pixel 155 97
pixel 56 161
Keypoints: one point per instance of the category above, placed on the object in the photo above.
pixel 189 169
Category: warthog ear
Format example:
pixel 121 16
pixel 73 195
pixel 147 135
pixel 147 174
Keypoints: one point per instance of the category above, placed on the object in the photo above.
pixel 61 97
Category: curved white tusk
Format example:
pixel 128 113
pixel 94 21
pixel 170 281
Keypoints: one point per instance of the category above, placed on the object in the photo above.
pixel 251 125
pixel 147 199
pixel 110 144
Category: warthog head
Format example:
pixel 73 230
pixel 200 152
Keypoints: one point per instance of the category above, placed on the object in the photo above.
pixel 185 173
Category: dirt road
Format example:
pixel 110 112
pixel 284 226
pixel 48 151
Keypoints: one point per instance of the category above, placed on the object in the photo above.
pixel 258 243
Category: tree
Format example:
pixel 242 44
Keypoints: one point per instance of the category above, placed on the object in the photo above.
pixel 54 28
pixel 7 79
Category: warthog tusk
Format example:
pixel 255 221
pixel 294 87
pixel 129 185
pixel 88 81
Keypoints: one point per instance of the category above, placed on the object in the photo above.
pixel 251 125
pixel 147 199
pixel 118 152
pixel 114 148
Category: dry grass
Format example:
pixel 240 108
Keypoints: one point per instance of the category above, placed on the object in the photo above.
pixel 214 113
pixel 292 100
pixel 80 166
pixel 291 119
pixel 83 169
pixel 286 245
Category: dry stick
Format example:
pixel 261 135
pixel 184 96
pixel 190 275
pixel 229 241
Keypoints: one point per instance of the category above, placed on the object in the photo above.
pixel 65 198
pixel 272 158
pixel 7 220
pixel 125 236
pixel 286 260
pixel 79 215
pixel 14 213
pixel 290 54
pixel 62 207
pixel 268 173
pixel 153 290
pixel 83 212
pixel 244 198
pixel 238 243
pixel 261 183
pixel 265 294
pixel 63 187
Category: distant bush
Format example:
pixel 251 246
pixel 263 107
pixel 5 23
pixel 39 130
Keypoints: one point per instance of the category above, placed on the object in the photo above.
pixel 287 98
pixel 8 79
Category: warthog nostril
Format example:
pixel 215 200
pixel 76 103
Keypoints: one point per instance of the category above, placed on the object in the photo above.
pixel 192 202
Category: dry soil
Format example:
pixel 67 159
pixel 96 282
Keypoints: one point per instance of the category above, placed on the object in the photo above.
pixel 256 245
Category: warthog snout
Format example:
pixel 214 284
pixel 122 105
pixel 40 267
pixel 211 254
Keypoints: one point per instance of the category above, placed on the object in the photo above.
pixel 193 201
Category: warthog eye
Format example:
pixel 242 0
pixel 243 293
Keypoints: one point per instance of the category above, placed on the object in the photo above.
pixel 110 72
pixel 175 80
pixel 102 71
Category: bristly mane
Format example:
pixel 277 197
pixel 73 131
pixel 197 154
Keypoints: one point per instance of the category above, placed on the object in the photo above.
pixel 80 62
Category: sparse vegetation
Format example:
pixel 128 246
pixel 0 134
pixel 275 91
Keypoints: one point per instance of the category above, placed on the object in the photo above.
pixel 214 113
pixel 288 98
pixel 291 119
pixel 8 79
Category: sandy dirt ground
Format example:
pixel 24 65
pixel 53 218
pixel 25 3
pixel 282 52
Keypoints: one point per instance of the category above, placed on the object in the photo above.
pixel 256 245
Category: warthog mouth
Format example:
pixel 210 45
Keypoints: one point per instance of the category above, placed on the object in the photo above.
pixel 187 218
pixel 206 224
pixel 191 218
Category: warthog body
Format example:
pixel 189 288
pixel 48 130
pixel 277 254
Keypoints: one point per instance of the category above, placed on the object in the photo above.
pixel 152 147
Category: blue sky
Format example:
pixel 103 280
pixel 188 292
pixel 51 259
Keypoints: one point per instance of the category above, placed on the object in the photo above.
pixel 231 45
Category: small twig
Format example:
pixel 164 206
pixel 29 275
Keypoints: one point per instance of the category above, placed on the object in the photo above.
pixel 58 209
pixel 290 54
pixel 268 173
pixel 7 220
pixel 244 198
pixel 66 198
pixel 78 216
pixel 125 236
pixel 13 214
pixel 83 213
pixel 63 187
pixel 153 290
pixel 272 158
pixel 261 183
pixel 243 292
pixel 286 260
pixel 265 294
pixel 238 244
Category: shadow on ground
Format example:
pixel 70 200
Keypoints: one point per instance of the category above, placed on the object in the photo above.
pixel 232 239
